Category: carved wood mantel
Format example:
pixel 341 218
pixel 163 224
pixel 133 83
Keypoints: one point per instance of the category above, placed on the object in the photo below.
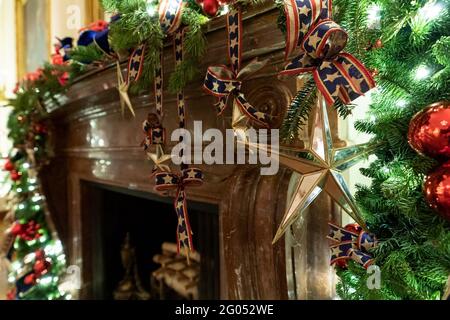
pixel 94 143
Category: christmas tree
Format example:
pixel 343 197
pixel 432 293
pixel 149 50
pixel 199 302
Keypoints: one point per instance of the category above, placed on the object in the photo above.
pixel 406 44
pixel 36 254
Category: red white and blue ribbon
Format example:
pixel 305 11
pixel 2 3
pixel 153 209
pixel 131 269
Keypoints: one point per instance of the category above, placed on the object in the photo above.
pixel 319 42
pixel 351 245
pixel 166 181
pixel 225 82
pixel 170 14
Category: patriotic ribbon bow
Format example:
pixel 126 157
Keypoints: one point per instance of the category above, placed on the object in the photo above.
pixel 225 83
pixel 353 245
pixel 167 181
pixel 321 41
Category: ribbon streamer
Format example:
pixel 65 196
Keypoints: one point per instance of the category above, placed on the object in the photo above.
pixel 169 181
pixel 351 245
pixel 225 82
pixel 320 41
pixel 170 12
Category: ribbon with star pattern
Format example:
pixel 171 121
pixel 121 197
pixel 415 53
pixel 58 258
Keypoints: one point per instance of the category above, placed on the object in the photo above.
pixel 320 41
pixel 153 135
pixel 170 13
pixel 166 181
pixel 351 245
pixel 225 82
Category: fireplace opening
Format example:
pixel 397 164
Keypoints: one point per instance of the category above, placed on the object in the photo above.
pixel 128 242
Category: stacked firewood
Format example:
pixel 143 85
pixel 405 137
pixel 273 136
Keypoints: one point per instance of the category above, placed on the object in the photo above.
pixel 177 273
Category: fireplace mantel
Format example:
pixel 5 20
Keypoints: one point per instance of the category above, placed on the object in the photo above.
pixel 93 142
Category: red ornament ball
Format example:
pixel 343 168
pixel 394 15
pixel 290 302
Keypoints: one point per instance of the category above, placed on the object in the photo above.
pixel 429 131
pixel 9 166
pixel 15 176
pixel 41 267
pixel 353 227
pixel 40 254
pixel 378 44
pixel 30 279
pixel 342 263
pixel 210 7
pixel 437 190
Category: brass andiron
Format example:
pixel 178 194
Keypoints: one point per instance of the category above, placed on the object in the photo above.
pixel 130 288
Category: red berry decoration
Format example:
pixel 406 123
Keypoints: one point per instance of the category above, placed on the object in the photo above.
pixel 9 166
pixel 341 264
pixel 15 176
pixel 41 267
pixel 429 131
pixel 11 295
pixel 353 227
pixel 30 279
pixel 210 7
pixel 437 190
pixel 40 254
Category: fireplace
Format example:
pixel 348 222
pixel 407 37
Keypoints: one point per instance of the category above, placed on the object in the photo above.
pixel 95 146
pixel 110 214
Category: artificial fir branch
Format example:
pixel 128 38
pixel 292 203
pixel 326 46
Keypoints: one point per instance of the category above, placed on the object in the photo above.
pixel 414 249
pixel 299 110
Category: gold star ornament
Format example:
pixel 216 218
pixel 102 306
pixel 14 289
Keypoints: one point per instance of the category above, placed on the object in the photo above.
pixel 159 158
pixel 123 92
pixel 320 166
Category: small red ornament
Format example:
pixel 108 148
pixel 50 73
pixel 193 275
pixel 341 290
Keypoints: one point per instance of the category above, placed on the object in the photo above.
pixel 341 264
pixel 11 295
pixel 30 279
pixel 210 7
pixel 429 131
pixel 40 128
pixel 437 190
pixel 15 176
pixel 41 267
pixel 353 227
pixel 378 44
pixel 40 254
pixel 9 166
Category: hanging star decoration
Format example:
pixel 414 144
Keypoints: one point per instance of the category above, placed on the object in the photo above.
pixel 320 166
pixel 159 158
pixel 135 65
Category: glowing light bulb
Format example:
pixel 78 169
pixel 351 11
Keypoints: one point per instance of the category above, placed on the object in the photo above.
pixel 225 9
pixel 431 10
pixel 373 16
pixel 151 9
pixel 21 206
pixel 401 103
pixel 422 72
pixel 26 165
pixel 45 281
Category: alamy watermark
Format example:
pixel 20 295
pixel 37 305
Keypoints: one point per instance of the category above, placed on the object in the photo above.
pixel 236 147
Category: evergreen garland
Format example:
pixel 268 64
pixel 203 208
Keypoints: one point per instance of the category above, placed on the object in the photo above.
pixel 136 26
pixel 34 280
